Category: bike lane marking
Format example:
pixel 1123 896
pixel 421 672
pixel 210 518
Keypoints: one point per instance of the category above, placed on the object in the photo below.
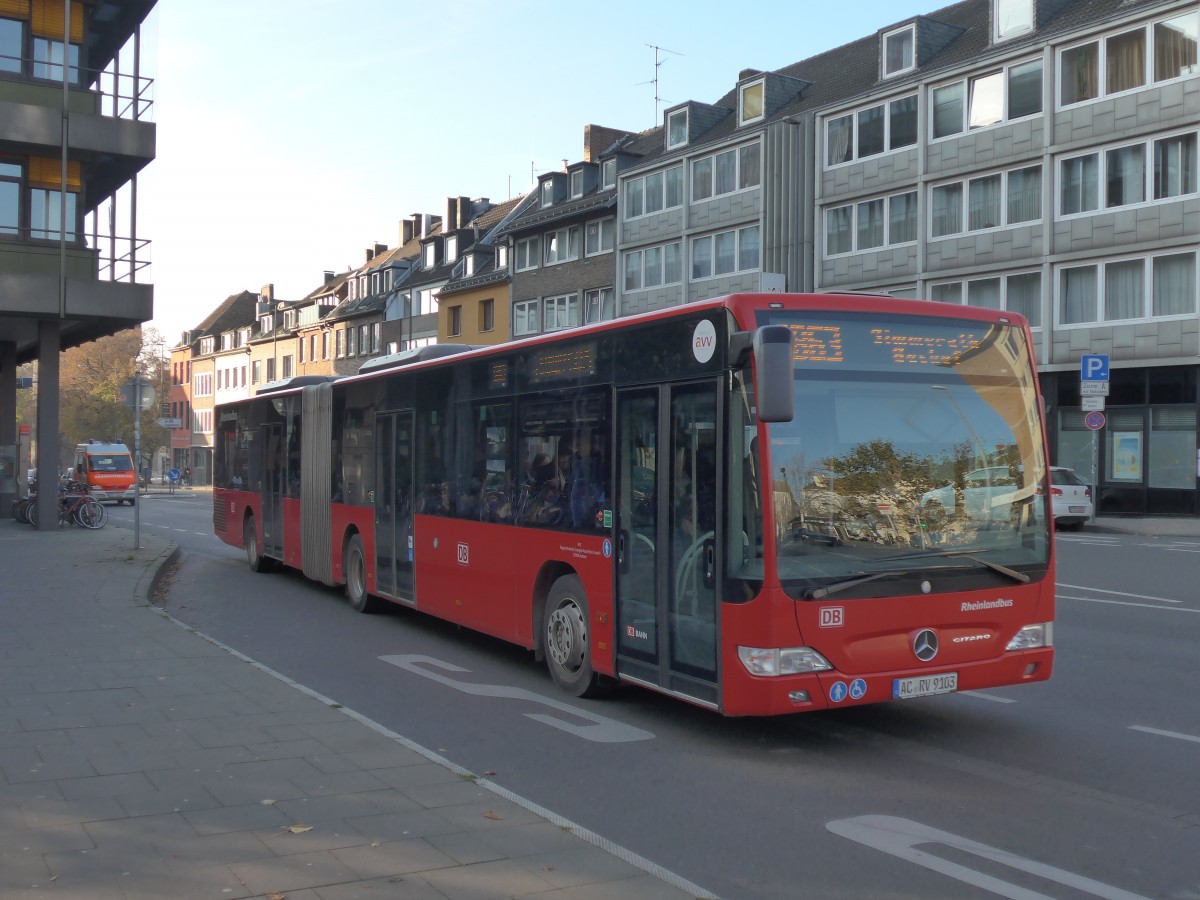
pixel 901 837
pixel 603 730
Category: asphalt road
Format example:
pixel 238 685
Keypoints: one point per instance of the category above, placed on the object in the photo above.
pixel 1087 786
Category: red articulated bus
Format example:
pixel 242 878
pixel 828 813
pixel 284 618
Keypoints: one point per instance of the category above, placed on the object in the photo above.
pixel 761 504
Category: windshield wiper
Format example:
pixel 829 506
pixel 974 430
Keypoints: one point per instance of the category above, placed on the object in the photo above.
pixel 845 584
pixel 967 554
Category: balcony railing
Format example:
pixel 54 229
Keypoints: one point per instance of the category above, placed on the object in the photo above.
pixel 118 95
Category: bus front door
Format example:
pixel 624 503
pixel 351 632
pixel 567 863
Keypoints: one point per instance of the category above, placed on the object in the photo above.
pixel 668 535
pixel 272 490
pixel 393 505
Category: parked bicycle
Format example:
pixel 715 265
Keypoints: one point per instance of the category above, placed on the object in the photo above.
pixel 75 507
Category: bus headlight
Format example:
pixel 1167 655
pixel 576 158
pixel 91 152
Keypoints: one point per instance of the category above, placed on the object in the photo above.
pixel 1033 636
pixel 772 661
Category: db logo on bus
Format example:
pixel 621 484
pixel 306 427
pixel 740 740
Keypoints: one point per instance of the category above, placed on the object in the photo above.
pixel 833 616
pixel 464 555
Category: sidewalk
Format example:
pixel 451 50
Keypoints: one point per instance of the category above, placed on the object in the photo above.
pixel 140 760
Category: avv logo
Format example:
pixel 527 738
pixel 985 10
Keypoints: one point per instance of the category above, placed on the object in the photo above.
pixel 704 341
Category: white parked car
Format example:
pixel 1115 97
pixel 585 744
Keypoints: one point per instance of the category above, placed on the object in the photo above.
pixel 986 492
pixel 1070 498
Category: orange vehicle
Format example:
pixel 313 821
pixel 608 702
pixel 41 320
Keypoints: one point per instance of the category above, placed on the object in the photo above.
pixel 108 471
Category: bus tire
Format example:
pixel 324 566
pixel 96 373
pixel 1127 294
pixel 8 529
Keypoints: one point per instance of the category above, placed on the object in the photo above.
pixel 256 561
pixel 354 566
pixel 566 637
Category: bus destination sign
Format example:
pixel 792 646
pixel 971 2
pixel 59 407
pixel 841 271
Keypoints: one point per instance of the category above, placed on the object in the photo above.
pixel 874 345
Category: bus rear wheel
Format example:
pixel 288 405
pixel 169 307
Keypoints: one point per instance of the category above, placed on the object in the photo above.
pixel 256 561
pixel 565 632
pixel 354 565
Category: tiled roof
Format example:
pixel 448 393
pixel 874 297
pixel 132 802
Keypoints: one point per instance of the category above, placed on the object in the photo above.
pixel 236 311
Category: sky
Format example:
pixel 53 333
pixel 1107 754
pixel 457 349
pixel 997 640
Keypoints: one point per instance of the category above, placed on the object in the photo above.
pixel 293 135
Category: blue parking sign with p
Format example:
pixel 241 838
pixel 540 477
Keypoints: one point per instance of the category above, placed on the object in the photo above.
pixel 1093 367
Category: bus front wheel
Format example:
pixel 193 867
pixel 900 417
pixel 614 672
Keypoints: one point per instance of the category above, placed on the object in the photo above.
pixel 355 570
pixel 565 631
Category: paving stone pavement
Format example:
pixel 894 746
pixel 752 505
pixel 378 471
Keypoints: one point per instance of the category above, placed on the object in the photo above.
pixel 140 760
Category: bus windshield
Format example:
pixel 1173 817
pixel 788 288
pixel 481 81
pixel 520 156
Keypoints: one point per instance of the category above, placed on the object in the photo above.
pixel 915 449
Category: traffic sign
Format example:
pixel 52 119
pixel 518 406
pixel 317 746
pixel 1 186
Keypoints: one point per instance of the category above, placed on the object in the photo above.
pixel 1094 420
pixel 174 474
pixel 129 391
pixel 1092 404
pixel 1093 367
pixel 169 422
pixel 1093 389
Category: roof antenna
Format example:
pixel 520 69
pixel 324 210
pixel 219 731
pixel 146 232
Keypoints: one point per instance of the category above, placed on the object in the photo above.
pixel 658 61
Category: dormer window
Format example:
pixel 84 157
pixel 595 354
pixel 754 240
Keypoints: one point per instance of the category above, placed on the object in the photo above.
pixel 352 289
pixel 502 256
pixel 577 183
pixel 677 128
pixel 751 102
pixel 452 248
pixel 547 192
pixel 469 265
pixel 428 256
pixel 1011 18
pixel 608 173
pixel 899 51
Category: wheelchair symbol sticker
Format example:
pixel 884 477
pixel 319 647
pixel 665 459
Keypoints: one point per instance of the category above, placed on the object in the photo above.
pixel 858 688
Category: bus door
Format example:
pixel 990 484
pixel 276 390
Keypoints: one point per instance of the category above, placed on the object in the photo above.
pixel 668 491
pixel 394 505
pixel 272 489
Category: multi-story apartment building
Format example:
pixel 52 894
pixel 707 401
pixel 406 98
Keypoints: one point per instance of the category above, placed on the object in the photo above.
pixel 314 333
pixel 473 306
pixel 562 246
pixel 73 132
pixel 180 399
pixel 215 359
pixel 1041 158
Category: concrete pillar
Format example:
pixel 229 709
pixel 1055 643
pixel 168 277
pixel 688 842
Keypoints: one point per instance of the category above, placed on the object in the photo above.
pixel 48 463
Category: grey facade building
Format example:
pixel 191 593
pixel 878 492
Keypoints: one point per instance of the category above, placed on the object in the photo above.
pixel 1043 161
pixel 1038 156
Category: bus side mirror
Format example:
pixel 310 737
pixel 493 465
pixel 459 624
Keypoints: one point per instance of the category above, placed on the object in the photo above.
pixel 773 387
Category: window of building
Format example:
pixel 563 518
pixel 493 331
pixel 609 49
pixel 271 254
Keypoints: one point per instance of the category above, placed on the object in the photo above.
pixel 487 315
pixel 340 341
pixel 561 312
pixel 502 256
pixel 1011 18
pixel 871 223
pixel 562 245
pixel 207 345
pixel 48 60
pixel 10 196
pixel 1127 60
pixel 351 342
pixel 1020 293
pixel 364 339
pixel 287 366
pixel 608 173
pixel 376 336
pixel 751 106
pixel 451 248
pixel 725 253
pixel 324 345
pixel 599 305
pixel 12 44
pixel 454 324
pixel 1133 289
pixel 987 201
pixel 527 253
pixel 1175 43
pixel 1162 169
pixel 654 192
pixel 726 172
pixel 653 266
pixel 256 371
pixel 992 98
pixel 429 255
pixel 898 51
pixel 46 214
pixel 677 128
pixel 547 192
pixel 577 183
pixel 872 130
pixel 525 317
pixel 1175 166
pixel 599 236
